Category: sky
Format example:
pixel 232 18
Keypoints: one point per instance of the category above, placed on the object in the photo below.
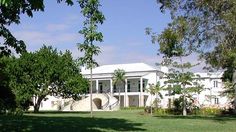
pixel 123 30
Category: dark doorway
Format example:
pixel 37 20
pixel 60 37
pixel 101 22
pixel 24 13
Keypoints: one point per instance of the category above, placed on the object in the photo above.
pixel 98 103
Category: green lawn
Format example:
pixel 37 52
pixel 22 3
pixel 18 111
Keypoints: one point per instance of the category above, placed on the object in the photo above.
pixel 124 120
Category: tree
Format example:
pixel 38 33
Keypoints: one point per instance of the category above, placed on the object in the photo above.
pixel 10 14
pixel 7 98
pixel 45 72
pixel 173 47
pixel 119 78
pixel 155 90
pixel 93 17
pixel 213 30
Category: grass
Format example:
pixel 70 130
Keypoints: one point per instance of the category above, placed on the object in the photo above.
pixel 124 120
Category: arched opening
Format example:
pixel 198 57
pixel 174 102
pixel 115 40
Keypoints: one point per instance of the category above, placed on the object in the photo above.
pixel 98 103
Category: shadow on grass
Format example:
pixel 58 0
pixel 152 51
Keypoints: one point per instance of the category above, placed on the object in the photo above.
pixel 58 112
pixel 221 119
pixel 59 124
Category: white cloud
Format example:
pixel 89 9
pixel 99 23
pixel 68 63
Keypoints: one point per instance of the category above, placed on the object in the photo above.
pixel 57 27
pixel 37 38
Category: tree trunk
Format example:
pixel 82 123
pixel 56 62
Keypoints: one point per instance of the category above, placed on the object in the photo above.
pixel 184 98
pixel 151 105
pixel 37 104
pixel 91 92
pixel 119 96
pixel 234 82
pixel 156 101
pixel 184 106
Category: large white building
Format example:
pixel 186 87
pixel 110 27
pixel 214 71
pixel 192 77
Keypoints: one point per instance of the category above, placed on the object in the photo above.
pixel 134 91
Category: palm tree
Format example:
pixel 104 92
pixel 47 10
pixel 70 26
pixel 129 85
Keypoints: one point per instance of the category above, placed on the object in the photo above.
pixel 155 90
pixel 119 77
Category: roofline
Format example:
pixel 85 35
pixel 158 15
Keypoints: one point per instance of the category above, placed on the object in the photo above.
pixel 125 72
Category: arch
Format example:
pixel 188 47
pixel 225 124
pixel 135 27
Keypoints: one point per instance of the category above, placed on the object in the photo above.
pixel 98 103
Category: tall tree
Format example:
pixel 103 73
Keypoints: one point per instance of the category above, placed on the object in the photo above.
pixel 119 78
pixel 45 72
pixel 174 49
pixel 11 10
pixel 213 30
pixel 93 17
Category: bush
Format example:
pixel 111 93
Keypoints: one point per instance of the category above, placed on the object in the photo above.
pixel 148 109
pixel 229 111
pixel 18 112
pixel 132 108
pixel 161 112
pixel 196 111
pixel 208 111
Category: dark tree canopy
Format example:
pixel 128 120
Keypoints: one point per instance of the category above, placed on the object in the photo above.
pixel 46 72
pixel 211 31
pixel 7 98
pixel 211 24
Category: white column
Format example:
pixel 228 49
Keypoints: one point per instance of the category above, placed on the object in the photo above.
pixel 97 83
pixel 111 87
pixel 125 96
pixel 141 93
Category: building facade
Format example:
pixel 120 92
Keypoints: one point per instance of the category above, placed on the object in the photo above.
pixel 134 92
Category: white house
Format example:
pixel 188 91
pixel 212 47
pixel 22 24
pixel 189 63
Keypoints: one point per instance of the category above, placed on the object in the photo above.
pixel 134 93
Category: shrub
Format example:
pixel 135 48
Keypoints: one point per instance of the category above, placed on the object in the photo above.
pixel 229 111
pixel 161 112
pixel 132 108
pixel 208 111
pixel 148 109
pixel 196 111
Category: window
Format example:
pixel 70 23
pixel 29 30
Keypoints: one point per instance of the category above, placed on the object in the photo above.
pixel 100 87
pixel 128 86
pixel 41 104
pixel 215 84
pixel 114 87
pixel 216 100
pixel 138 86
pixel 144 85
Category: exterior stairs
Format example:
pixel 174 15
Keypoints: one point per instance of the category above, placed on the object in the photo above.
pixel 101 102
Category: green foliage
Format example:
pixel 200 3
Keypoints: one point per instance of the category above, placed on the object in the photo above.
pixel 178 104
pixel 195 111
pixel 211 29
pixel 229 90
pixel 7 98
pixel 156 90
pixel 209 22
pixel 208 111
pixel 132 108
pixel 174 47
pixel 119 76
pixel 93 17
pixel 45 72
pixel 11 10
